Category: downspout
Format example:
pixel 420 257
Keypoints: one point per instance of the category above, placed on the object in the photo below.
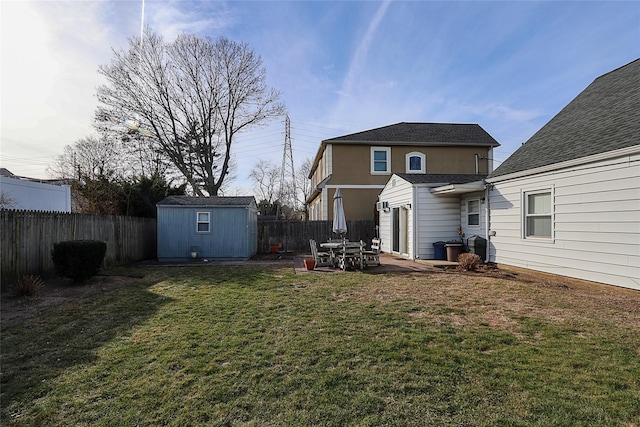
pixel 487 222
pixel 477 166
pixel 414 224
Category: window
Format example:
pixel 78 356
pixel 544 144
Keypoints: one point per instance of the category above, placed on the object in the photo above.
pixel 380 160
pixel 473 212
pixel 415 163
pixel 203 222
pixel 538 214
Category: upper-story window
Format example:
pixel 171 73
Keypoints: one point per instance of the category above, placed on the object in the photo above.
pixel 380 160
pixel 416 162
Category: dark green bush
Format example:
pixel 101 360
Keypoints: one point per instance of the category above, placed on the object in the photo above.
pixel 78 259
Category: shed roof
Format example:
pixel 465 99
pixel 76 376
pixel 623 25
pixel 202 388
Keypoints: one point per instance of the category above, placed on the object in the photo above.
pixel 207 201
pixel 405 133
pixel 602 118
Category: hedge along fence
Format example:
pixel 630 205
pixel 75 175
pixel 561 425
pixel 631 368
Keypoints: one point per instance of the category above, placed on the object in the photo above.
pixel 27 238
pixel 294 236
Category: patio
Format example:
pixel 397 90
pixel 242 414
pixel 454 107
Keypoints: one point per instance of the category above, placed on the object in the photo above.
pixel 388 263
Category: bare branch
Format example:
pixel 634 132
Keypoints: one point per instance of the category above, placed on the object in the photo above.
pixel 192 96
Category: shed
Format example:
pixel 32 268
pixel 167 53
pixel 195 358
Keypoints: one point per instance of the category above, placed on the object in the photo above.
pixel 213 228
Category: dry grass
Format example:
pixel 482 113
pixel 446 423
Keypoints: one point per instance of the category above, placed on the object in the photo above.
pixel 497 298
pixel 260 345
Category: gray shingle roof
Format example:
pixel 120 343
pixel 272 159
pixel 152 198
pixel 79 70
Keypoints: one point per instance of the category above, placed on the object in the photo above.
pixel 206 201
pixel 421 133
pixel 604 117
pixel 440 178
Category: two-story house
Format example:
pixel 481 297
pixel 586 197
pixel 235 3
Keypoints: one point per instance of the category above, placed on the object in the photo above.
pixel 360 164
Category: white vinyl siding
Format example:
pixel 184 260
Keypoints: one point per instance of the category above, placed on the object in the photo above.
pixel 397 193
pixel 430 218
pixel 595 227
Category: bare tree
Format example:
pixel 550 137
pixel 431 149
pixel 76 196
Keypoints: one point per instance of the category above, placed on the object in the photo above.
pixel 89 158
pixel 189 98
pixel 303 184
pixel 266 177
pixel 7 201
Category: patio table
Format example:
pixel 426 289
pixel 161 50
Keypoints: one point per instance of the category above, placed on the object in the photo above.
pixel 344 253
pixel 333 248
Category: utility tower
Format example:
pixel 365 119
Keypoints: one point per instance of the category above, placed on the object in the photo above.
pixel 287 192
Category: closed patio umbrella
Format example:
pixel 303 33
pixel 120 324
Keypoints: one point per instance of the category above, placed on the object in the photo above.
pixel 339 220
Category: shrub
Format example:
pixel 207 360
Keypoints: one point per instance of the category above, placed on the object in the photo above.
pixel 78 259
pixel 469 262
pixel 27 286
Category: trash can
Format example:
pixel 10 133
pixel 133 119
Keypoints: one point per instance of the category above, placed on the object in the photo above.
pixel 439 252
pixel 453 251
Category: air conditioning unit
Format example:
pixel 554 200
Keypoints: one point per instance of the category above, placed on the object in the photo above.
pixel 380 206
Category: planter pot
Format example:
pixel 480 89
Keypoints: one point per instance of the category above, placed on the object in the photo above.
pixel 310 263
pixel 194 254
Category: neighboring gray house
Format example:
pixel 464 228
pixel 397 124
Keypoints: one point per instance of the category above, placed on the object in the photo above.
pixel 417 210
pixel 213 228
pixel 568 201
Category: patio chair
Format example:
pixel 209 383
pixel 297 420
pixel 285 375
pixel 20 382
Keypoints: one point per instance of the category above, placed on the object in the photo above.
pixel 323 259
pixel 372 257
pixel 351 256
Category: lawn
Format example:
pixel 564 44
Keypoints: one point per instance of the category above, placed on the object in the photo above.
pixel 259 345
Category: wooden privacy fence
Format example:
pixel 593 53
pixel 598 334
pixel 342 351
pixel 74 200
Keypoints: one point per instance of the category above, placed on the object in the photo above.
pixel 294 236
pixel 27 238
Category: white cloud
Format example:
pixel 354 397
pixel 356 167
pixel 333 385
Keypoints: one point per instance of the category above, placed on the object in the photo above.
pixel 173 18
pixel 50 57
pixel 360 55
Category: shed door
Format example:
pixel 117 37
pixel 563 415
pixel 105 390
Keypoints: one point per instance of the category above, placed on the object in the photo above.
pixel 395 229
pixel 399 235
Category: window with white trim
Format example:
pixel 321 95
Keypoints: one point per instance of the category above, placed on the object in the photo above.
pixel 473 213
pixel 538 214
pixel 203 222
pixel 380 160
pixel 415 162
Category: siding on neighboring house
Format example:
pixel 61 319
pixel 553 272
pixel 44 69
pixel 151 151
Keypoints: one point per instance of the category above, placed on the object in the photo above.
pixel 25 194
pixel 349 162
pixel 596 226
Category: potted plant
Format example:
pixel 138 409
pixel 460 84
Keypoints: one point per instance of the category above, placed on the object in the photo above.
pixel 310 263
pixel 194 252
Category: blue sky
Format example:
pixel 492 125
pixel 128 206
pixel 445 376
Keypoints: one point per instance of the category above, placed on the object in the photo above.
pixel 341 66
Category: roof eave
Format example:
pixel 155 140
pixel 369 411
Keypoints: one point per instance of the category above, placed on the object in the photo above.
pixel 412 143
pixel 451 189
pixel 567 164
